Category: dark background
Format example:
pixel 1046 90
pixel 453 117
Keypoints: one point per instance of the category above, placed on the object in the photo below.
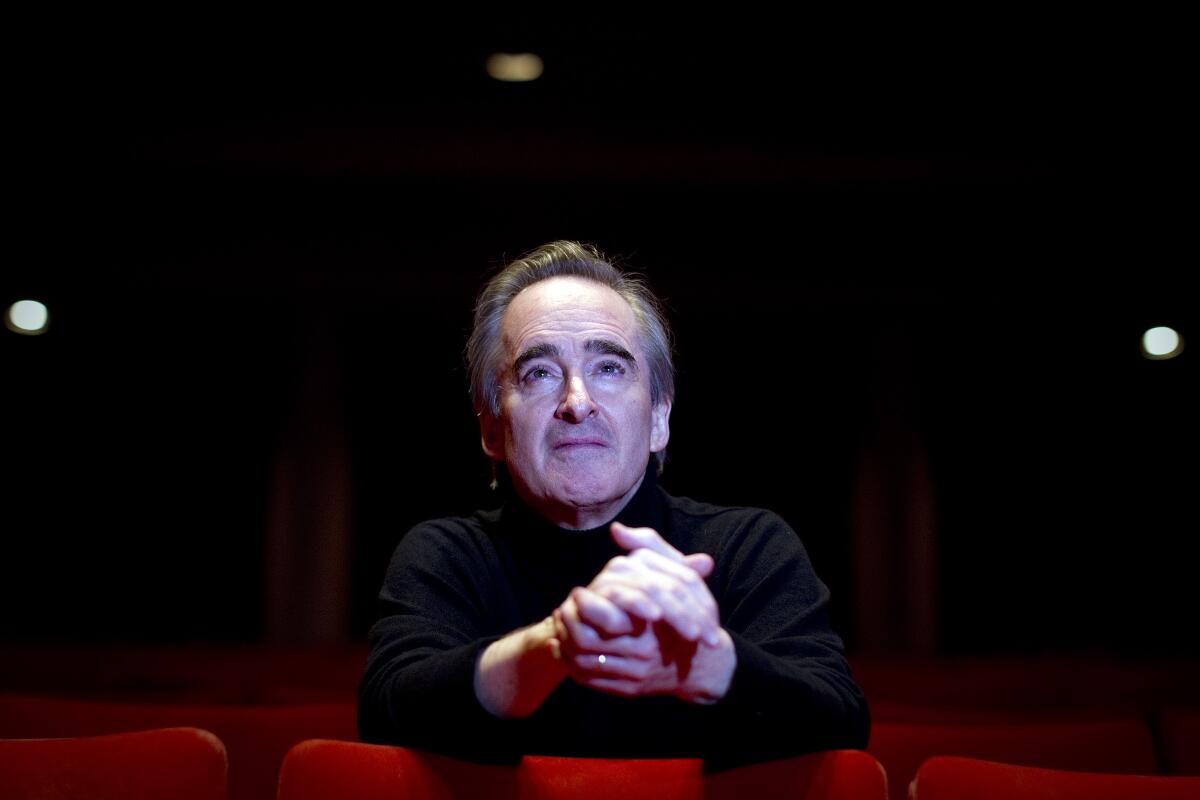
pixel 908 262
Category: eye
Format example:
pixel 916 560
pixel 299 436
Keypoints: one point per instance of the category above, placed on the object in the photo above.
pixel 536 374
pixel 614 368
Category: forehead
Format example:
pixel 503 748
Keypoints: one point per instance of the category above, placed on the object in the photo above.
pixel 567 306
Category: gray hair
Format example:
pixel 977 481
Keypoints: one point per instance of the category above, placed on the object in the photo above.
pixel 554 260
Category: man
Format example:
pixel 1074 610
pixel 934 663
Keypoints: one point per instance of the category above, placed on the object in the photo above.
pixel 594 614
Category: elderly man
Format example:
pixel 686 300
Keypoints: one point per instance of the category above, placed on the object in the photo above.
pixel 593 613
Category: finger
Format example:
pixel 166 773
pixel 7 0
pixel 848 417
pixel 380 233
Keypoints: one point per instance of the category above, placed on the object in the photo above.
pixel 562 634
pixel 574 635
pixel 686 602
pixel 679 612
pixel 686 587
pixel 631 600
pixel 601 613
pixel 649 539
pixel 643 563
pixel 591 666
pixel 702 563
pixel 644 647
pixel 679 570
pixel 634 538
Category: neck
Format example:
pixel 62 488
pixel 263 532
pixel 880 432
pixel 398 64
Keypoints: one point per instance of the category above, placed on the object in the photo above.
pixel 580 518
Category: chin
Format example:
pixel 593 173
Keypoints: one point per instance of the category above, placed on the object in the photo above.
pixel 588 497
pixel 593 490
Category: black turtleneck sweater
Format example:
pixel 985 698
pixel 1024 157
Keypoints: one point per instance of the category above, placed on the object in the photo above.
pixel 456 585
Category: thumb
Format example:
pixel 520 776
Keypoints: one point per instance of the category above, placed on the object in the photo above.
pixel 634 538
pixel 702 563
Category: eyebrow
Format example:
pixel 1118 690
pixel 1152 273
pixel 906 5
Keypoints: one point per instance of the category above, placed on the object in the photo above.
pixel 609 348
pixel 537 351
pixel 604 346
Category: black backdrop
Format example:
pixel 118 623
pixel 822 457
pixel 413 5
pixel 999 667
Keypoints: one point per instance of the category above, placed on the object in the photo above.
pixel 951 239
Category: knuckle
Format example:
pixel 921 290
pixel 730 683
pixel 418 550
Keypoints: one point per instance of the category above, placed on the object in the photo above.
pixel 644 555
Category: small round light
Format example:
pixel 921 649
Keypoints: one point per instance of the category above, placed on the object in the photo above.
pixel 1161 343
pixel 28 317
pixel 514 67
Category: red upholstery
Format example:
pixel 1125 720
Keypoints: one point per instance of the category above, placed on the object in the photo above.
pixel 1113 745
pixel 832 774
pixel 171 764
pixel 952 778
pixel 1064 682
pixel 1179 732
pixel 256 737
pixel 321 769
pixel 316 770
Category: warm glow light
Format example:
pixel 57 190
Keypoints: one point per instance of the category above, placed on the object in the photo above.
pixel 27 316
pixel 1162 342
pixel 514 66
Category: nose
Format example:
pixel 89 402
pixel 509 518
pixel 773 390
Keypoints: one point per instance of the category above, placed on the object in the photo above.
pixel 576 404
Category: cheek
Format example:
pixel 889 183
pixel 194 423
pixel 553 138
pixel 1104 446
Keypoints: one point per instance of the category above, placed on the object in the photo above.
pixel 522 432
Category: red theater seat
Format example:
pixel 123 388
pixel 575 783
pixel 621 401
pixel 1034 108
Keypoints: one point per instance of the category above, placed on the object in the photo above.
pixel 256 737
pixel 952 778
pixel 1113 745
pixel 316 770
pixel 171 764
pixel 1179 732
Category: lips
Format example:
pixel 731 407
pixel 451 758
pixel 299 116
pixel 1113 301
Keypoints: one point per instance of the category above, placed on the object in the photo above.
pixel 575 443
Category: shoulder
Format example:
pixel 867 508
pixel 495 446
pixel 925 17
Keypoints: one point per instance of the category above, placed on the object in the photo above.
pixel 687 509
pixel 755 551
pixel 455 540
pixel 712 528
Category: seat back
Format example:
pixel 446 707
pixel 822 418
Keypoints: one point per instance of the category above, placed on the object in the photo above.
pixel 1179 734
pixel 166 764
pixel 1123 745
pixel 256 737
pixel 318 769
pixel 954 778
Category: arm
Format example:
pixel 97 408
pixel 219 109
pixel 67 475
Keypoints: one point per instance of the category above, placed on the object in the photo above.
pixel 516 674
pixel 441 607
pixel 792 683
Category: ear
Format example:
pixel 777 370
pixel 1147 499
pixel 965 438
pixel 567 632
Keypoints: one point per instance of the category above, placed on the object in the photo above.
pixel 660 425
pixel 491 436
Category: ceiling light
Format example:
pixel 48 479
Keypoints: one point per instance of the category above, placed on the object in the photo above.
pixel 1161 343
pixel 28 317
pixel 514 67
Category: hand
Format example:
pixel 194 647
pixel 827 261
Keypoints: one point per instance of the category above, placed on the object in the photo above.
pixel 656 583
pixel 647 624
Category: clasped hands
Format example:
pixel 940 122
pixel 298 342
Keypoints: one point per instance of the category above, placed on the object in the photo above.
pixel 647 624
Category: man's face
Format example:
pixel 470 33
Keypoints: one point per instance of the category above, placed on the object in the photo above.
pixel 576 424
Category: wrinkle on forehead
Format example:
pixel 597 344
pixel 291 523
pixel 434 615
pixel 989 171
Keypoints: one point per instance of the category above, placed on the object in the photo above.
pixel 573 308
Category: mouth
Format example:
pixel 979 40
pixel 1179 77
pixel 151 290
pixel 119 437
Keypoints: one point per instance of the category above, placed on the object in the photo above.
pixel 574 444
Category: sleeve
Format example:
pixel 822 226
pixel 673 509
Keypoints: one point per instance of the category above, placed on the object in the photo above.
pixel 791 690
pixel 436 618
